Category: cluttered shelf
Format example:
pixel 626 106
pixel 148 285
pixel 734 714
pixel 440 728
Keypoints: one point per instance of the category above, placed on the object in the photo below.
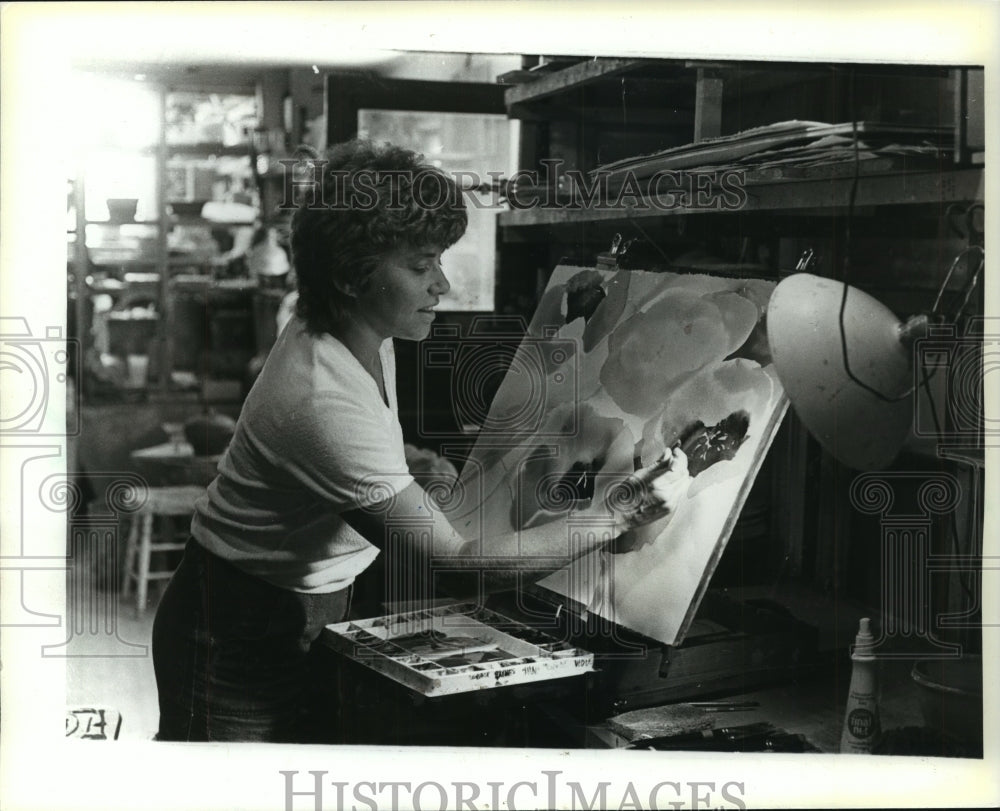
pixel 818 193
pixel 788 165
pixel 617 139
pixel 216 326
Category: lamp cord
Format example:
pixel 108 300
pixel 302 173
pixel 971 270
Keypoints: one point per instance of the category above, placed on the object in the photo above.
pixel 847 252
pixel 964 582
pixel 969 287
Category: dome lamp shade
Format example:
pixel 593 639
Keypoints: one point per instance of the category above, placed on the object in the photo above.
pixel 846 363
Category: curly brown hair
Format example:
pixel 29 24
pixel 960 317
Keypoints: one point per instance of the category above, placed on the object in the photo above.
pixel 369 199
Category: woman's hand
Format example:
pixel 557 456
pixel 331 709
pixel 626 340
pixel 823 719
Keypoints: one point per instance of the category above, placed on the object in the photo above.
pixel 500 561
pixel 648 495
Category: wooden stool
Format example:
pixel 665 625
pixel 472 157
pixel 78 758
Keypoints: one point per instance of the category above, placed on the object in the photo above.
pixel 161 507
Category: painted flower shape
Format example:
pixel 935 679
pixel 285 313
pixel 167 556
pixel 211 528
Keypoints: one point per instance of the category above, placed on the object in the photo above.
pixel 593 453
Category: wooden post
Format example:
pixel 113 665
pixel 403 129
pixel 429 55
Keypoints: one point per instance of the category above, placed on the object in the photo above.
pixel 788 494
pixel 166 323
pixel 81 265
pixel 707 105
pixel 959 79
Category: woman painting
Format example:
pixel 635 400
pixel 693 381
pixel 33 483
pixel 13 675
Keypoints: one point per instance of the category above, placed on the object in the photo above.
pixel 316 468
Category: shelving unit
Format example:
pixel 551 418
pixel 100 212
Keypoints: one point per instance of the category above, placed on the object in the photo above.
pixel 114 253
pixel 577 115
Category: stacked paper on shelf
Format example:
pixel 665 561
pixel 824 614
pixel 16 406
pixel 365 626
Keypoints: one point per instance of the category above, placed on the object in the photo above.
pixel 787 143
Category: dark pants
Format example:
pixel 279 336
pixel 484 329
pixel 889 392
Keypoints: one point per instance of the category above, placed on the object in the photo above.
pixel 231 653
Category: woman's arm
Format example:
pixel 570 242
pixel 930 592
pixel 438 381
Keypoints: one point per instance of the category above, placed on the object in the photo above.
pixel 409 527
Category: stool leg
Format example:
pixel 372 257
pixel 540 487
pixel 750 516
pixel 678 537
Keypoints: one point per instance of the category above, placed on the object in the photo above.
pixel 142 581
pixel 131 547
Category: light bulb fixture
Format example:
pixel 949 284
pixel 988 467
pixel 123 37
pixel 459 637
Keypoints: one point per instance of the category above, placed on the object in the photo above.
pixel 848 363
pixel 860 410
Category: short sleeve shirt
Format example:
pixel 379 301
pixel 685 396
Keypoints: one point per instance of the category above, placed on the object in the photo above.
pixel 315 439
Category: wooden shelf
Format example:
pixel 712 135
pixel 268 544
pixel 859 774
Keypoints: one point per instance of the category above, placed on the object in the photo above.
pixel 139 262
pixel 791 195
pixel 114 224
pixel 575 76
pixel 202 221
pixel 207 150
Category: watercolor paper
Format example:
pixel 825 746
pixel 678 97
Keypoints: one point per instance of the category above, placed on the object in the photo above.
pixel 617 367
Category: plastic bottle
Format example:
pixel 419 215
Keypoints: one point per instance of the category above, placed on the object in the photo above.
pixel 861 720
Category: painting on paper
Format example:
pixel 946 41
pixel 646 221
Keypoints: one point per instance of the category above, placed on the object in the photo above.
pixel 618 367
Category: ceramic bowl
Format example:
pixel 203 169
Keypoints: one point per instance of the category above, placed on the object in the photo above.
pixel 951 696
pixel 122 209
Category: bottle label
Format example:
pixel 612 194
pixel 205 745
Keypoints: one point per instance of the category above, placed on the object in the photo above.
pixel 861 723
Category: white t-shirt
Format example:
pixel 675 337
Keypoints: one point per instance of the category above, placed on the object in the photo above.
pixel 314 439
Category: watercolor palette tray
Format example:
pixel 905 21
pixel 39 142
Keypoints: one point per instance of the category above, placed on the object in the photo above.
pixel 456 649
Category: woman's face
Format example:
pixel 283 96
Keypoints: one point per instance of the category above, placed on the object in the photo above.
pixel 399 299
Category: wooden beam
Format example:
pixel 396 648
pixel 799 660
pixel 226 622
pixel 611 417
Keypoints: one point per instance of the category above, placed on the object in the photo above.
pixel 788 196
pixel 348 93
pixel 610 116
pixel 572 77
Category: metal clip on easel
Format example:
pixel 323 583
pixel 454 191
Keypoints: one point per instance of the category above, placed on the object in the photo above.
pixel 806 261
pixel 608 260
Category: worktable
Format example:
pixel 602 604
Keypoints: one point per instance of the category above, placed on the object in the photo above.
pixel 811 707
pixel 174 463
pixel 807 705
